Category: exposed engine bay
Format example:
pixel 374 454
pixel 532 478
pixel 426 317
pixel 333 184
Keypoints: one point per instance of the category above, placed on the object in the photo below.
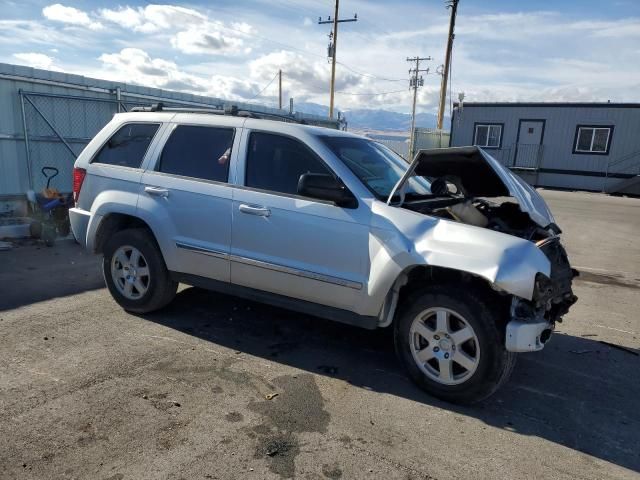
pixel 450 200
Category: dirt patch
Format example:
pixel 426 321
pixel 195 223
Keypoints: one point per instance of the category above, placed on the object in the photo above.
pixel 234 417
pixel 281 450
pixel 298 408
pixel 332 471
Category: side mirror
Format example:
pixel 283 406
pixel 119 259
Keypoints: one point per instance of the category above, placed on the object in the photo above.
pixel 326 187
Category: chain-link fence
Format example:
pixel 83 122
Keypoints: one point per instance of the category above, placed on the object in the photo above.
pixel 57 128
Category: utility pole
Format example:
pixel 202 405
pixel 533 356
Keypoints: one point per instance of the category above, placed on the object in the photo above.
pixel 453 4
pixel 415 82
pixel 280 89
pixel 333 43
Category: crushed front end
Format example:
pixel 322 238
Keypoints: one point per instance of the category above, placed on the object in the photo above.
pixel 532 322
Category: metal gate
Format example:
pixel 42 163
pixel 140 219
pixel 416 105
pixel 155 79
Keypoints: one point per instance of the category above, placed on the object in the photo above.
pixel 57 128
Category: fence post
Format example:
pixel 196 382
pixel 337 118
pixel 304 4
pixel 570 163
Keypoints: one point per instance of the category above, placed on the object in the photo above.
pixel 26 139
pixel 119 99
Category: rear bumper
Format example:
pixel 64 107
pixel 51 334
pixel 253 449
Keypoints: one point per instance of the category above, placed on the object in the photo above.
pixel 79 224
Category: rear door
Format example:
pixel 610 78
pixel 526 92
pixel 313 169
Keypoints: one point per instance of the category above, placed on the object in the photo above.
pixel 117 166
pixel 188 195
pixel 291 245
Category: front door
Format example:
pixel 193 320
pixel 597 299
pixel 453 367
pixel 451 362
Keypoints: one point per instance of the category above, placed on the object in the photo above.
pixel 529 143
pixel 286 244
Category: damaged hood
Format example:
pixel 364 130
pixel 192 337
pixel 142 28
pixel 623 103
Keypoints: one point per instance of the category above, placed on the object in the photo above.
pixel 481 175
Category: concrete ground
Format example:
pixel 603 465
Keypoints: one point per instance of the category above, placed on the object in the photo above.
pixel 89 391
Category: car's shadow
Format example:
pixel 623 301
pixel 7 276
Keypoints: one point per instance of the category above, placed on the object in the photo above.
pixel 579 393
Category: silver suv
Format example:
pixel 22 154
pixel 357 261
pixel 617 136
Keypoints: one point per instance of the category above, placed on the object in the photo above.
pixel 457 254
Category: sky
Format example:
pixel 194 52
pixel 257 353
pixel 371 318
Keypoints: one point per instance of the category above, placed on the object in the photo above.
pixel 563 50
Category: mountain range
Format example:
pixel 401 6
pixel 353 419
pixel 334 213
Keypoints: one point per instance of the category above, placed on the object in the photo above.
pixel 365 119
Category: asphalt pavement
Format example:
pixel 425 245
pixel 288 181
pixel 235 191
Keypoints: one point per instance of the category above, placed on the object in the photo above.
pixel 217 387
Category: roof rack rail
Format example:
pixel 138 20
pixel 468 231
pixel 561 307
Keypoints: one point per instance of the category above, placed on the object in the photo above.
pixel 159 107
pixel 227 110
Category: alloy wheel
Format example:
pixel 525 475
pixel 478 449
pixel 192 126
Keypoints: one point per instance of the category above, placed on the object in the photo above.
pixel 130 272
pixel 444 346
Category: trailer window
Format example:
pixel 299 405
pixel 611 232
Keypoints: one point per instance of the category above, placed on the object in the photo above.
pixel 593 139
pixel 488 135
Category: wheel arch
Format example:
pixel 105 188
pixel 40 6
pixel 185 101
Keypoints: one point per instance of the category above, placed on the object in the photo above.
pixel 114 222
pixel 415 277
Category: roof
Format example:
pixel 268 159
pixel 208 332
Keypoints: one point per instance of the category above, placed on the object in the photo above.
pixel 549 104
pixel 203 117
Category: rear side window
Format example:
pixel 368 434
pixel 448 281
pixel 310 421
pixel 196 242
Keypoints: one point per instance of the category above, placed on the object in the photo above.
pixel 198 152
pixel 126 148
pixel 275 163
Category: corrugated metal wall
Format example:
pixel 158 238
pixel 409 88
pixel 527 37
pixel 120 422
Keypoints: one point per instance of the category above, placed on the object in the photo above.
pixel 88 105
pixel 583 171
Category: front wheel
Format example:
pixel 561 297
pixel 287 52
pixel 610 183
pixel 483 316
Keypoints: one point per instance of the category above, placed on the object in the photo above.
pixel 448 341
pixel 135 272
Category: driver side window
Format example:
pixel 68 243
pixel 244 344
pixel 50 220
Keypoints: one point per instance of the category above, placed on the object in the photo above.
pixel 276 162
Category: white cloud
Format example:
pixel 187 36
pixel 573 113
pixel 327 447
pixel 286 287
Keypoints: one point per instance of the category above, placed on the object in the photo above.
pixel 24 32
pixel 153 18
pixel 70 15
pixel 37 60
pixel 210 38
pixel 300 74
pixel 137 66
pixel 193 32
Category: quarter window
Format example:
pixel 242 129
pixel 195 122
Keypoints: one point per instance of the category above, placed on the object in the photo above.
pixel 592 139
pixel 127 147
pixel 488 135
pixel 198 152
pixel 276 162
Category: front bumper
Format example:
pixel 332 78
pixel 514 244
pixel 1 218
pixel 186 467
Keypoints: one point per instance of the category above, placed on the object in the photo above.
pixel 533 322
pixel 523 336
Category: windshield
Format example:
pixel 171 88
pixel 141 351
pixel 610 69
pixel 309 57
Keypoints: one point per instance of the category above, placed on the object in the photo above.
pixel 377 166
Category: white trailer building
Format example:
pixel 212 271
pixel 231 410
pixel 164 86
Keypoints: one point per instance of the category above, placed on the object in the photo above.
pixel 583 146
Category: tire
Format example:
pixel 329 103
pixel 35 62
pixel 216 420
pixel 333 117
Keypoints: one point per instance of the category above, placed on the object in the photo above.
pixel 139 283
pixel 422 345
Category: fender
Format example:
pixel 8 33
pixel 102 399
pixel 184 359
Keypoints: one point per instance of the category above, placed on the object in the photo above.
pixel 401 239
pixel 106 202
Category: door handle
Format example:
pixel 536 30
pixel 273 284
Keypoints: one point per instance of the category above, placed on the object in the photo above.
pixel 255 210
pixel 157 192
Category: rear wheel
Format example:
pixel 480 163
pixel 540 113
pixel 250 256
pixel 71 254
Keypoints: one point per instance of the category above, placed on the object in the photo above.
pixel 449 342
pixel 135 272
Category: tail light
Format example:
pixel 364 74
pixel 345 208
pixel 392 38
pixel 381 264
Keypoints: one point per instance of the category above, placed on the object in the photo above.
pixel 78 178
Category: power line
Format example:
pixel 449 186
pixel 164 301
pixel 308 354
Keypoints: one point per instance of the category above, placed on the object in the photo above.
pixel 307 52
pixel 267 86
pixel 364 74
pixel 370 94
